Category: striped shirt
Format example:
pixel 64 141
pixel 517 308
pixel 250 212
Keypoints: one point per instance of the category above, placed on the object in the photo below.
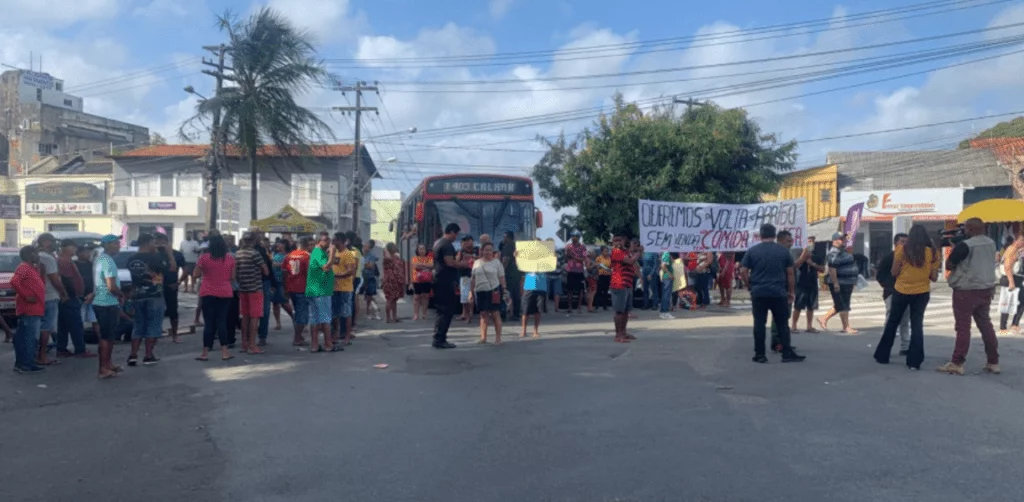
pixel 247 266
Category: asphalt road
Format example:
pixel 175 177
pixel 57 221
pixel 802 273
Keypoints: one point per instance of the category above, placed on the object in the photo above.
pixel 680 414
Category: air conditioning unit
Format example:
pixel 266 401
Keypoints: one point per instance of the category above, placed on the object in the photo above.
pixel 116 208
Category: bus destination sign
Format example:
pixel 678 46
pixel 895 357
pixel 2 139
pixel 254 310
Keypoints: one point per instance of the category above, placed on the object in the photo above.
pixel 480 186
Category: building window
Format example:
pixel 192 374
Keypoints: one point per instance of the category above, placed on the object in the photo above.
pixel 147 186
pixel 68 102
pixel 826 195
pixel 190 185
pixel 373 216
pixel 39 94
pixel 243 181
pixel 62 227
pixel 47 149
pixel 306 193
pixel 59 86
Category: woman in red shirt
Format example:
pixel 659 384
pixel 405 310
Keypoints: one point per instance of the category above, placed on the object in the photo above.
pixel 394 281
pixel 217 268
pixel 29 306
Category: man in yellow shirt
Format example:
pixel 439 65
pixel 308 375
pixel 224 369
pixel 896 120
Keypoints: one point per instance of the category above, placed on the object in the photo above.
pixel 355 246
pixel 344 264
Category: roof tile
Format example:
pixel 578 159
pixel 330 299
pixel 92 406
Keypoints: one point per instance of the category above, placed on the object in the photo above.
pixel 322 151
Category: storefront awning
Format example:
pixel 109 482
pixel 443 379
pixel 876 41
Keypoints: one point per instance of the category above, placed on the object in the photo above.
pixel 994 211
pixel 287 220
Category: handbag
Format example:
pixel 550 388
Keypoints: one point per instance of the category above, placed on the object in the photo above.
pixel 495 297
pixel 424 276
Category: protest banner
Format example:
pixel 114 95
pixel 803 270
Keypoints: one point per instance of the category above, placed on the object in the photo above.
pixel 683 227
pixel 536 256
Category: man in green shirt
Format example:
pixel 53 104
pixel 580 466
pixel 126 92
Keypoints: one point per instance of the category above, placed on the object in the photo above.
pixel 319 288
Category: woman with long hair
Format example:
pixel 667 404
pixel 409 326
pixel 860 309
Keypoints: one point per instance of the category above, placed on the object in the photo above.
pixel 915 266
pixel 394 281
pixel 217 269
pixel 487 283
pixel 422 282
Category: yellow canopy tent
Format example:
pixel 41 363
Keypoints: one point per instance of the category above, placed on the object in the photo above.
pixel 287 220
pixel 994 211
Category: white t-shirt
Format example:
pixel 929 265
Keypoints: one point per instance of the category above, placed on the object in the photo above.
pixel 191 251
pixel 49 267
pixel 487 275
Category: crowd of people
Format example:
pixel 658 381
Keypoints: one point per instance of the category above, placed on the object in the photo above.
pixel 317 281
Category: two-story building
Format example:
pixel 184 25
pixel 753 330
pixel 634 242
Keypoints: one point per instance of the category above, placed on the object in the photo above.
pixel 166 186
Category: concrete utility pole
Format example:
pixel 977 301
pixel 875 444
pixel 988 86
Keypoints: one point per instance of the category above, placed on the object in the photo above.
pixel 358 110
pixel 689 102
pixel 214 158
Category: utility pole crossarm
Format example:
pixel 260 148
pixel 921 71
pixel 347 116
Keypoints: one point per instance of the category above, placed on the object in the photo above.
pixel 689 102
pixel 354 108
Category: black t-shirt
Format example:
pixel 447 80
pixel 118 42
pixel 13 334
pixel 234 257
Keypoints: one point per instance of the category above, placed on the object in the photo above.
pixel 509 251
pixel 443 274
pixel 169 281
pixel 85 269
pixel 808 278
pixel 148 271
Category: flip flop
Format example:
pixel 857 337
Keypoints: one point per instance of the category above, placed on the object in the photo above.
pixel 51 362
pixel 336 349
pixel 812 330
pixel 107 376
pixel 203 359
pixel 227 358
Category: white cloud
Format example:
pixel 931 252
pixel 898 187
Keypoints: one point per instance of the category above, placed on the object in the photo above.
pixel 159 9
pixel 56 13
pixel 326 20
pixel 499 8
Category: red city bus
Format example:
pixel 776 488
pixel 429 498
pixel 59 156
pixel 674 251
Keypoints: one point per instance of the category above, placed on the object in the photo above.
pixel 480 203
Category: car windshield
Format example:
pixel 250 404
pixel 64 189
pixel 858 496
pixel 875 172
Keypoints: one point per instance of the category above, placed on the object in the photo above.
pixel 9 262
pixel 493 217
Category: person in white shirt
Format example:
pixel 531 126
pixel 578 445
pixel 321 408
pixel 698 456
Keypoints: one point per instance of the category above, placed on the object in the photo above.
pixel 190 249
pixel 487 281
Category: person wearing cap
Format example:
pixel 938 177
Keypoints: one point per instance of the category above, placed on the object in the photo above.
pixel 149 270
pixel 106 303
pixel 466 255
pixel 69 312
pixel 55 294
pixel 512 275
pixel 841 278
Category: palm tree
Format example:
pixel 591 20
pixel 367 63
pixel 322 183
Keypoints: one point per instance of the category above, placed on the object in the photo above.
pixel 271 60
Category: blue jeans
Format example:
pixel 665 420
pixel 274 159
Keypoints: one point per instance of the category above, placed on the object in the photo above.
pixel 666 295
pixel 650 291
pixel 265 320
pixel 69 324
pixel 149 318
pixel 703 288
pixel 26 341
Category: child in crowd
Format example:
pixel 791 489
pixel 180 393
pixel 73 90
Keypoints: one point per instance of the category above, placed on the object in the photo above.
pixel 535 290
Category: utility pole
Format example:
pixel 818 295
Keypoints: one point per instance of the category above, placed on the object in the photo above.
pixel 358 110
pixel 214 157
pixel 689 102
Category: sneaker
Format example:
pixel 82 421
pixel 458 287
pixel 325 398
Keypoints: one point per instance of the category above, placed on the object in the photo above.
pixel 261 342
pixel 760 359
pixel 35 368
pixel 792 357
pixel 666 316
pixel 133 361
pixel 951 368
pixel 444 345
pixel 992 368
pixel 903 353
pixel 150 361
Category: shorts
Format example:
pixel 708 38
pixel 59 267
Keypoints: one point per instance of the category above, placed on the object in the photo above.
pixel 319 309
pixel 250 304
pixel 574 282
pixel 171 300
pixel 422 288
pixel 464 291
pixel 532 301
pixel 301 305
pixel 108 318
pixel 485 301
pixel 841 299
pixel 278 297
pixel 554 286
pixel 622 300
pixel 341 304
pixel 149 318
pixel 48 323
pixel 806 298
pixel 189 268
pixel 89 313
pixel 369 287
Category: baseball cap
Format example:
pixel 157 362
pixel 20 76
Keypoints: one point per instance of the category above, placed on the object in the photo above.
pixel 47 236
pixel 576 233
pixel 107 239
pixel 838 235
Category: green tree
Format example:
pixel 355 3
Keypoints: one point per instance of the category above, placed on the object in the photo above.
pixel 710 154
pixel 1009 129
pixel 157 139
pixel 270 62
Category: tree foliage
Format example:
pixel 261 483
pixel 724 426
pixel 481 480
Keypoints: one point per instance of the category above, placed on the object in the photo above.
pixel 157 139
pixel 1009 129
pixel 709 154
pixel 270 62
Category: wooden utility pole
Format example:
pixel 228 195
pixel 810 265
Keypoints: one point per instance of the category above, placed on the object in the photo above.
pixel 689 102
pixel 356 189
pixel 214 157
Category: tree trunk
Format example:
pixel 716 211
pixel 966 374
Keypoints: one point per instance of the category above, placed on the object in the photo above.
pixel 253 184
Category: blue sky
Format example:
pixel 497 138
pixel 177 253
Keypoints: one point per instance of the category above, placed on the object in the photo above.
pixel 130 59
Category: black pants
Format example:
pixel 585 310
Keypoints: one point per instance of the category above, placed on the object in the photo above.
pixel 603 283
pixel 215 320
pixel 779 307
pixel 515 283
pixel 233 320
pixel 444 303
pixel 703 287
pixel 900 303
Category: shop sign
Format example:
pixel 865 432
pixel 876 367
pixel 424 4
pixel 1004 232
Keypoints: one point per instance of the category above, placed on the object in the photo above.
pixel 164 206
pixel 10 207
pixel 65 198
pixel 920 204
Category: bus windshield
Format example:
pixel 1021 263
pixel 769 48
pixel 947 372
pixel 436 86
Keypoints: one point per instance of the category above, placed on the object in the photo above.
pixel 494 217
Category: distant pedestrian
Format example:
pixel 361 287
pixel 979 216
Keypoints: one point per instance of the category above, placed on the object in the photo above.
pixel 487 282
pixel 371 280
pixel 319 288
pixel 726 270
pixel 395 281
pixel 171 284
pixel 513 277
pixel 355 247
pixel 577 263
pixel 807 267
pixel 148 269
pixel 446 278
pixel 190 251
pixel 888 282
pixel 768 269
pixel 106 302
pixel 269 284
pixel 280 298
pixel 55 294
pixel 216 268
pixel 84 263
pixel 971 279
pixel 422 281
pixel 1011 294
pixel 667 277
pixel 467 254
pixel 249 270
pixel 915 265
pixel 535 286
pixel 841 279
pixel 785 239
pixel 295 273
pixel 30 306
pixel 652 285
pixel 623 270
pixel 69 312
pixel 344 265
